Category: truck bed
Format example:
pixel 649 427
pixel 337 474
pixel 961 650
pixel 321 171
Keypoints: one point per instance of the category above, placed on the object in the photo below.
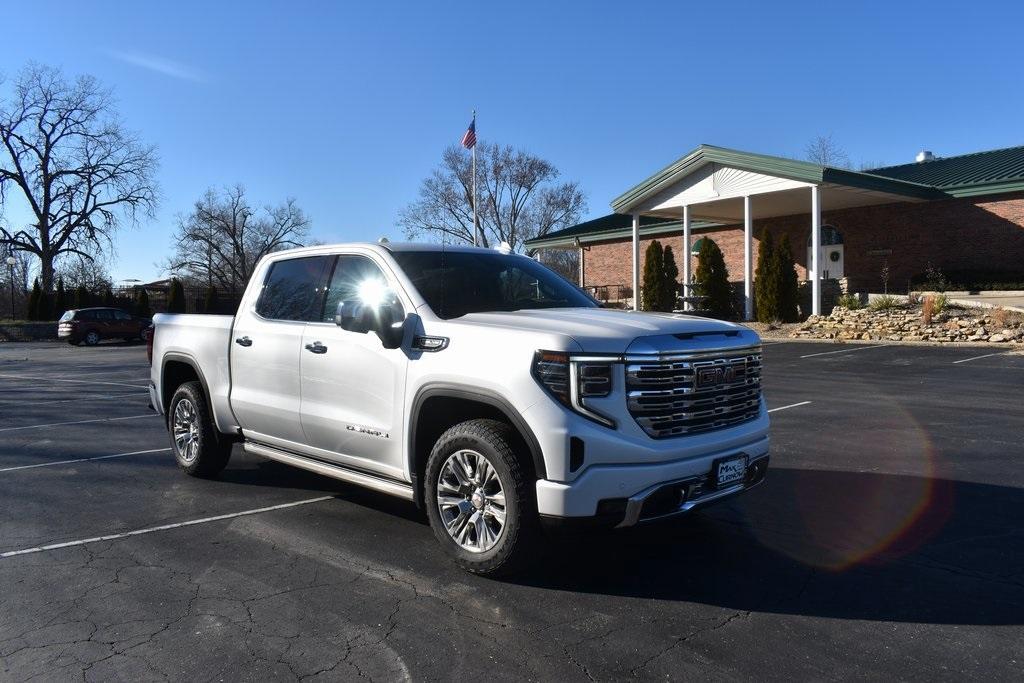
pixel 205 340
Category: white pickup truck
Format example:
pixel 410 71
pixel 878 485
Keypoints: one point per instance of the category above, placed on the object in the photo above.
pixel 479 384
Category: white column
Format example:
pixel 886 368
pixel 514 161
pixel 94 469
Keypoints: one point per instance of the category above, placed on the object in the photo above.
pixel 582 272
pixel 636 262
pixel 815 250
pixel 686 256
pixel 748 261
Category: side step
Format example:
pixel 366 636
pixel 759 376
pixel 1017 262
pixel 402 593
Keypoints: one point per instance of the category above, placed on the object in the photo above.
pixel 370 481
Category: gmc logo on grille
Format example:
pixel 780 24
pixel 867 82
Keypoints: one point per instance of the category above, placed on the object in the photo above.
pixel 712 377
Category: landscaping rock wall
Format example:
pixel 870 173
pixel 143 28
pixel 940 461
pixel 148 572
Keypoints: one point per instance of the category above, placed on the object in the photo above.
pixel 906 323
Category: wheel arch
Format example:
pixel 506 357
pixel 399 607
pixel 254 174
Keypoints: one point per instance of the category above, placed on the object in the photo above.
pixel 455 403
pixel 176 369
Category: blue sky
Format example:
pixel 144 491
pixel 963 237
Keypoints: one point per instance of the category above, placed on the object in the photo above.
pixel 347 106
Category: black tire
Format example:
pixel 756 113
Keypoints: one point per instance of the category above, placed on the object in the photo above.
pixel 92 338
pixel 211 451
pixel 498 444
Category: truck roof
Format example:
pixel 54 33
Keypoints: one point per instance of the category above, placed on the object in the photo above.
pixel 394 247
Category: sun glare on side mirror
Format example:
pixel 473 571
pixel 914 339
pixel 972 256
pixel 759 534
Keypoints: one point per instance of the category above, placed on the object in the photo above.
pixel 373 292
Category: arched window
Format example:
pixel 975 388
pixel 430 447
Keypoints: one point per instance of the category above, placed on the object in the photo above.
pixel 829 236
pixel 695 249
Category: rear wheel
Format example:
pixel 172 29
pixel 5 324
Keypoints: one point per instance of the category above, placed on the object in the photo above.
pixel 199 449
pixel 479 498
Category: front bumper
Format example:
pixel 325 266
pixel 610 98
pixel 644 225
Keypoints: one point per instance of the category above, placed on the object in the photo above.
pixel 624 495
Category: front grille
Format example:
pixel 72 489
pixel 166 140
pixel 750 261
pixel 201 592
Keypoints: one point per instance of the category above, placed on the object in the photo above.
pixel 689 394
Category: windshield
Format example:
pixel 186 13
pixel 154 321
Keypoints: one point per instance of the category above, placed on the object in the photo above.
pixel 455 283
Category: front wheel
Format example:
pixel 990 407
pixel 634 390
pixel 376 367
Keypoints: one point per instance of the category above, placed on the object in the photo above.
pixel 198 448
pixel 479 497
pixel 92 338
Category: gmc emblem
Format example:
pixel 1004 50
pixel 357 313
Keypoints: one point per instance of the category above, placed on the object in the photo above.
pixel 713 377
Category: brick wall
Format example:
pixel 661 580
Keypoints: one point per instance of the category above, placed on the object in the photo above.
pixel 984 233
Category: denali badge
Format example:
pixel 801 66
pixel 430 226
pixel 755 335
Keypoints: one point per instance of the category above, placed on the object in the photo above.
pixel 712 377
pixel 369 431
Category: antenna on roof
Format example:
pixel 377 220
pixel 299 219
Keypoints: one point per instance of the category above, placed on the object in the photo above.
pixel 383 240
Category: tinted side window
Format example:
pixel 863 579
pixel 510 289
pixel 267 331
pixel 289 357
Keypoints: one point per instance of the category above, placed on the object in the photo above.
pixel 103 316
pixel 355 278
pixel 121 315
pixel 293 289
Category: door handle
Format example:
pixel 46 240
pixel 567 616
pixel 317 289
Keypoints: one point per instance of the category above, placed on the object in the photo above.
pixel 243 341
pixel 316 347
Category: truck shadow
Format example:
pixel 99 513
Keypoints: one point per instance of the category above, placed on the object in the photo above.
pixel 819 543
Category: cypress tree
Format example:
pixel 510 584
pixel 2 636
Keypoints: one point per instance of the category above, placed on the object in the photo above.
pixel 210 300
pixel 142 308
pixel 108 298
pixel 712 280
pixel 767 283
pixel 671 274
pixel 82 297
pixel 176 297
pixel 652 296
pixel 34 300
pixel 789 285
pixel 60 300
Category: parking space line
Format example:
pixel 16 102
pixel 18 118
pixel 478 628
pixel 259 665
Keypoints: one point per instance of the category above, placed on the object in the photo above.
pixel 968 360
pixel 78 422
pixel 163 527
pixel 74 460
pixel 86 397
pixel 829 353
pixel 772 410
pixel 74 381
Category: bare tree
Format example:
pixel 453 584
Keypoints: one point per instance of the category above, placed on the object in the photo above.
pixel 519 198
pixel 222 239
pixel 90 273
pixel 824 150
pixel 565 262
pixel 67 157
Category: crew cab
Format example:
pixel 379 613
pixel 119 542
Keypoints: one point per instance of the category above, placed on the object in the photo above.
pixel 477 383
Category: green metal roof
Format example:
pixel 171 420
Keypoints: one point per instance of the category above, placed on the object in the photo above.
pixel 793 169
pixel 997 170
pixel 612 226
pixel 991 172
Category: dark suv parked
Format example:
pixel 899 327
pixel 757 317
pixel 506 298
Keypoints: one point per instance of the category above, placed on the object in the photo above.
pixel 90 325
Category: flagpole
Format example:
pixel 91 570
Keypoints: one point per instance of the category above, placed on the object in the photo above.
pixel 476 224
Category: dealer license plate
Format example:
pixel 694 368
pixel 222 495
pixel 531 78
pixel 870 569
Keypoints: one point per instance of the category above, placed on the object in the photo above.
pixel 730 470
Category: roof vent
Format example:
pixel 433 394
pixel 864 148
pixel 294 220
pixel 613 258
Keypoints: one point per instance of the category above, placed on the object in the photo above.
pixel 923 156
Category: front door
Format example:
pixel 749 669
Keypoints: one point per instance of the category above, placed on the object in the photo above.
pixel 830 260
pixel 353 388
pixel 265 345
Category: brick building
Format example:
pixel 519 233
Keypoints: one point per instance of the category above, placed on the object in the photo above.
pixel 958 214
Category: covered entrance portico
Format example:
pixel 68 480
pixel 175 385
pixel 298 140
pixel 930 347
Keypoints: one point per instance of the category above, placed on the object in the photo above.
pixel 728 187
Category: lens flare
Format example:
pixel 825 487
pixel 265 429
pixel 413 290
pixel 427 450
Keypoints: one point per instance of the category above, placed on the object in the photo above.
pixel 835 520
pixel 373 292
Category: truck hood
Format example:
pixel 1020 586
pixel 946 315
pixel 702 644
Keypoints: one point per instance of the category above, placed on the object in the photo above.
pixel 604 330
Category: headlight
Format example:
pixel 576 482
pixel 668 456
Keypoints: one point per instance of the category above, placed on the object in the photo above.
pixel 572 380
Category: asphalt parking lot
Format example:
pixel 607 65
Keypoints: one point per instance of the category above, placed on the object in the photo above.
pixel 887 542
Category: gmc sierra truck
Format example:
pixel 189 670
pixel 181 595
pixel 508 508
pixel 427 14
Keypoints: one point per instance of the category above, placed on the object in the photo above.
pixel 477 383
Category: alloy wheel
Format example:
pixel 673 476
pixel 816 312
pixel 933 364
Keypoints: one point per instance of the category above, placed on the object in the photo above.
pixel 186 430
pixel 471 500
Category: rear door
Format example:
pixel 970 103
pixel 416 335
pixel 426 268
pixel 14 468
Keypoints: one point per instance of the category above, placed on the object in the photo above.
pixel 353 389
pixel 265 344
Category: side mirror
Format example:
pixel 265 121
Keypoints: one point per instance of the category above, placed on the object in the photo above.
pixel 387 320
pixel 353 316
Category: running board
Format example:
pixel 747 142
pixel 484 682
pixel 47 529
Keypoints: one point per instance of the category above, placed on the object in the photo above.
pixel 370 481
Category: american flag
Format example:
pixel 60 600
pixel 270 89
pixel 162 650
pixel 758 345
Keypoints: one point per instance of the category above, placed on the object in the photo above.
pixel 469 139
